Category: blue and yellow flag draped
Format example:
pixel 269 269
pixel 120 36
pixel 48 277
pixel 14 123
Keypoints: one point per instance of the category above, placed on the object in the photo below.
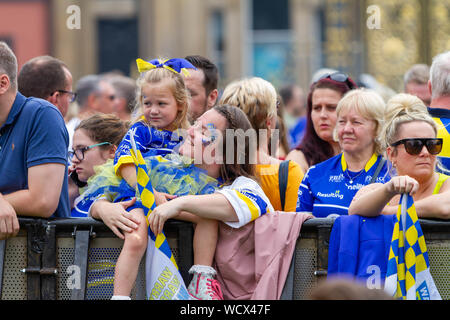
pixel 408 274
pixel 163 280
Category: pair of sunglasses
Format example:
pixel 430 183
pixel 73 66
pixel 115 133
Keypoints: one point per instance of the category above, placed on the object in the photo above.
pixel 415 145
pixel 338 77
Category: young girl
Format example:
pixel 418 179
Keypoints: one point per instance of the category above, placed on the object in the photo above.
pixel 162 101
pixel 162 105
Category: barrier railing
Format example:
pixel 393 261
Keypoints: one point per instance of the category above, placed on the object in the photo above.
pixel 310 260
pixel 74 259
pixel 61 259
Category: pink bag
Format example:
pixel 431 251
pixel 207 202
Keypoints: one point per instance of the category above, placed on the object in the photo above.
pixel 252 262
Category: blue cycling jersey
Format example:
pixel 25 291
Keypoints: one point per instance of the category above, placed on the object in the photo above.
pixel 329 187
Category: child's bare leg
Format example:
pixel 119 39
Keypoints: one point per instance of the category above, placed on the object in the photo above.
pixel 205 241
pixel 205 238
pixel 127 265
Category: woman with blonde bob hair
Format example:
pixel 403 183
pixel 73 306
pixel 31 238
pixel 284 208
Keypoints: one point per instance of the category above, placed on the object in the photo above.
pixel 258 99
pixel 409 137
pixel 329 187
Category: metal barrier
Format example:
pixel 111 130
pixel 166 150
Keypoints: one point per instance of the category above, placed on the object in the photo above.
pixel 74 259
pixel 310 260
pixel 62 259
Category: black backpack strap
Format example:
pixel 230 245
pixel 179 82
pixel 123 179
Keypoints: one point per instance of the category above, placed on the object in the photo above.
pixel 283 174
pixel 378 169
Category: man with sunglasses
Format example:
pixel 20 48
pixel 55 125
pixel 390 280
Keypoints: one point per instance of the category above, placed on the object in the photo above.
pixel 439 87
pixel 33 153
pixel 47 78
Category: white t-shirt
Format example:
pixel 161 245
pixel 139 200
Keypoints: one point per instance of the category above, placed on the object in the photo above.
pixel 70 126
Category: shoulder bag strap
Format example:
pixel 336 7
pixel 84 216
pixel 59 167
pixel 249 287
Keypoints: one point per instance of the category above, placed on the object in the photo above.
pixel 283 174
pixel 378 169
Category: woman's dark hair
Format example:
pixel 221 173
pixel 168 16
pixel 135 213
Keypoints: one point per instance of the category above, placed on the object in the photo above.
pixel 104 128
pixel 313 147
pixel 282 138
pixel 242 149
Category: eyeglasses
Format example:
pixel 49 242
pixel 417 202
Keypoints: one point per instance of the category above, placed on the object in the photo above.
pixel 71 94
pixel 338 77
pixel 79 153
pixel 415 146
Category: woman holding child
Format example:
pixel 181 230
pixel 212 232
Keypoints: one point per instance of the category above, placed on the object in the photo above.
pixel 238 200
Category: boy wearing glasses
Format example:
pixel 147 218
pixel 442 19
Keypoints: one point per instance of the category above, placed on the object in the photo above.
pixel 33 153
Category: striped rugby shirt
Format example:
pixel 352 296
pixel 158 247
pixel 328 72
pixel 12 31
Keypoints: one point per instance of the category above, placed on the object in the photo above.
pixel 248 200
pixel 329 187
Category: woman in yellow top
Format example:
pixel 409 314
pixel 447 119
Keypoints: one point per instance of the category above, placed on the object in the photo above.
pixel 409 136
pixel 258 99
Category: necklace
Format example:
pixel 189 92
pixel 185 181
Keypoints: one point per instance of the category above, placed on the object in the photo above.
pixel 350 178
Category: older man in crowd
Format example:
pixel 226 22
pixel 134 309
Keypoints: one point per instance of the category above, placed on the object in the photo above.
pixel 95 94
pixel 439 87
pixel 416 82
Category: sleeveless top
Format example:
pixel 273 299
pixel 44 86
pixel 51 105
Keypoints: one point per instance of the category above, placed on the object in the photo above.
pixel 442 178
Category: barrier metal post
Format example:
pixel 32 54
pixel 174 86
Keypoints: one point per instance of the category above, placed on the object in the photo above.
pixel 82 238
pixel 185 249
pixel 323 239
pixel 2 262
pixel 35 244
pixel 49 271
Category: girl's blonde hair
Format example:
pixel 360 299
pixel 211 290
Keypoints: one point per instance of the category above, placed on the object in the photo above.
pixel 255 96
pixel 403 108
pixel 177 87
pixel 370 105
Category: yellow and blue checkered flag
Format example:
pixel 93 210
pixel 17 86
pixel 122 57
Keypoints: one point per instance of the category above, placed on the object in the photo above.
pixel 163 280
pixel 408 274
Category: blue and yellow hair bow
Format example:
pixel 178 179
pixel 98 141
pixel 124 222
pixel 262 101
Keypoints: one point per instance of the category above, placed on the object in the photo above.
pixel 175 65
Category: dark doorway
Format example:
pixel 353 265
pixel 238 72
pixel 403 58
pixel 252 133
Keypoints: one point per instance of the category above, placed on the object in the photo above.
pixel 117 44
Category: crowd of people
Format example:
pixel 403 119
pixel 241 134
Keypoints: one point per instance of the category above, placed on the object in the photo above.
pixel 214 157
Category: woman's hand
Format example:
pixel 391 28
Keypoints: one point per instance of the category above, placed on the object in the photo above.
pixel 161 197
pixel 402 184
pixel 163 212
pixel 115 216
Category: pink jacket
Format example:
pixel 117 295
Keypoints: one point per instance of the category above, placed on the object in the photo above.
pixel 252 262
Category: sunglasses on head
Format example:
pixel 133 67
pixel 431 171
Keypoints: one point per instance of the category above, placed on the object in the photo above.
pixel 415 145
pixel 338 77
